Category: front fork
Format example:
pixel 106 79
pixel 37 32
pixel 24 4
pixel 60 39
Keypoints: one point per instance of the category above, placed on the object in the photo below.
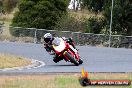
pixel 65 57
pixel 76 52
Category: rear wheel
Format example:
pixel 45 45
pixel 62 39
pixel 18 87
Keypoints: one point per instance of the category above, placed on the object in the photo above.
pixel 72 59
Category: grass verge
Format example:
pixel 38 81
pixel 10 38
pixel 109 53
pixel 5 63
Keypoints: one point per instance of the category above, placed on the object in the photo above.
pixel 58 81
pixel 9 61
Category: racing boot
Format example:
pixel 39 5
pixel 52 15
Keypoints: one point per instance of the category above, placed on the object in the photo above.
pixel 57 59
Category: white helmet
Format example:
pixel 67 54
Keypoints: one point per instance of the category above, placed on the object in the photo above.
pixel 48 37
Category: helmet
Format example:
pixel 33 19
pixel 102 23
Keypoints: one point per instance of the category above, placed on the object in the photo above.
pixel 48 37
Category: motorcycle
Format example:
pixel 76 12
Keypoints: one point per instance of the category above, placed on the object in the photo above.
pixel 66 51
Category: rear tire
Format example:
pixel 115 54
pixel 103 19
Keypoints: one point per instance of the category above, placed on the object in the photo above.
pixel 72 59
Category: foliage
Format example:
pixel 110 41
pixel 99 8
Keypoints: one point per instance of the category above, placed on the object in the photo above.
pixel 52 14
pixel 122 16
pixel 1 6
pixel 42 13
pixel 94 5
pixel 69 23
pixel 94 25
pixel 8 5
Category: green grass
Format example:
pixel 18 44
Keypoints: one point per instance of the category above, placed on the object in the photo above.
pixel 58 81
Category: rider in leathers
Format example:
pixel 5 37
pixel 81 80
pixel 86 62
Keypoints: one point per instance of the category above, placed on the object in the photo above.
pixel 48 39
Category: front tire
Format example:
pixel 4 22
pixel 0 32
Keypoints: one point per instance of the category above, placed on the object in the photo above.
pixel 80 61
pixel 72 59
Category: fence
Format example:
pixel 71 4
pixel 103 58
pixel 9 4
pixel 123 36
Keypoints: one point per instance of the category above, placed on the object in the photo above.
pixel 80 38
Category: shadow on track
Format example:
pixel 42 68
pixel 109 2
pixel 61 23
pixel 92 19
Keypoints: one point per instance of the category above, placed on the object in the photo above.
pixel 63 65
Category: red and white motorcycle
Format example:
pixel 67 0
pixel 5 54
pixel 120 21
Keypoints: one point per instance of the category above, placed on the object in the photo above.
pixel 66 51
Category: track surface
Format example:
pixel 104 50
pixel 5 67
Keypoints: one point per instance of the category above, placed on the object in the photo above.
pixel 95 59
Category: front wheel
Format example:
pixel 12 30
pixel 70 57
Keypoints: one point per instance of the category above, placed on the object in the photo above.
pixel 80 61
pixel 72 59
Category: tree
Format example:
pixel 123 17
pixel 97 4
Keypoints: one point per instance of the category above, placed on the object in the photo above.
pixel 122 16
pixel 8 5
pixel 94 5
pixel 94 25
pixel 39 13
pixel 1 6
pixel 70 23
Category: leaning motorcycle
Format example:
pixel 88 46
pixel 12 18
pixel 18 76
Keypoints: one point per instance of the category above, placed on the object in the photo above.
pixel 66 51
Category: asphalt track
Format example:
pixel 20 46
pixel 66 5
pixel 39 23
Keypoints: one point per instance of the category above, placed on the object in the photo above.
pixel 95 59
